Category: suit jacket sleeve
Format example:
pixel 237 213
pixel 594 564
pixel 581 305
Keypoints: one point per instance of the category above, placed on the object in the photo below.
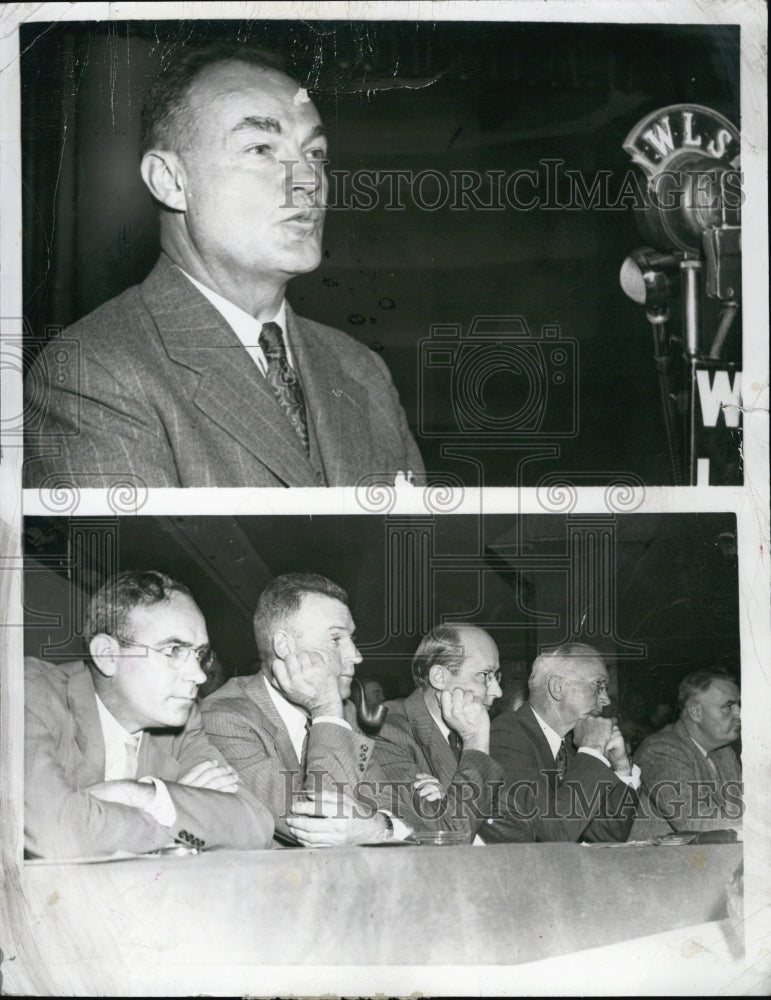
pixel 61 819
pixel 396 761
pixel 412 457
pixel 220 819
pixel 591 803
pixel 679 793
pixel 332 757
pixel 95 426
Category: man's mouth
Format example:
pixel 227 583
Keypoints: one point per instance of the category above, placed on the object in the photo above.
pixel 304 220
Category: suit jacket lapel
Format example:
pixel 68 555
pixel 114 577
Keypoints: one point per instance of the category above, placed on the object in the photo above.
pixel 272 720
pixel 430 738
pixel 81 699
pixel 336 403
pixel 231 391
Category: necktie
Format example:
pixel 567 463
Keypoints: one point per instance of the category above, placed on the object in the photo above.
pixel 456 744
pixel 283 380
pixel 304 751
pixel 561 761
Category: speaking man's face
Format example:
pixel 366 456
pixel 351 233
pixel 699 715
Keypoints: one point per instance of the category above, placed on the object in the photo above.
pixel 323 624
pixel 155 682
pixel 255 187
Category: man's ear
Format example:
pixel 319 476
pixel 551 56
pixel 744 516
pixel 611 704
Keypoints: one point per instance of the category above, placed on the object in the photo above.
pixel 555 687
pixel 438 677
pixel 164 176
pixel 283 643
pixel 105 650
pixel 694 711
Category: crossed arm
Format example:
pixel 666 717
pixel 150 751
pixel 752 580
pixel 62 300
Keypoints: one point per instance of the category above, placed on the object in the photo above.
pixel 69 815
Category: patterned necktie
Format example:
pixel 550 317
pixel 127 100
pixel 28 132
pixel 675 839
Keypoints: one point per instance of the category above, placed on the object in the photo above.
pixel 456 744
pixel 561 761
pixel 304 751
pixel 283 380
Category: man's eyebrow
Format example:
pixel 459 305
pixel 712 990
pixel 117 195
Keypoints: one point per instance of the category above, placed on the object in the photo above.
pixel 174 640
pixel 259 124
pixel 317 132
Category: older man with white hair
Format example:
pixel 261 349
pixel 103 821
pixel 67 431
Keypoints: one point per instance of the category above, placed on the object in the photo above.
pixel 567 773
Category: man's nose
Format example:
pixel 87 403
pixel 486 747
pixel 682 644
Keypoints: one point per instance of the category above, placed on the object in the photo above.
pixel 604 698
pixel 193 671
pixel 304 175
pixel 357 657
pixel 495 688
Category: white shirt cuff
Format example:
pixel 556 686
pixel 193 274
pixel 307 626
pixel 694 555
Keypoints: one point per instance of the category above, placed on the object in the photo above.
pixel 162 808
pixel 401 830
pixel 331 718
pixel 633 779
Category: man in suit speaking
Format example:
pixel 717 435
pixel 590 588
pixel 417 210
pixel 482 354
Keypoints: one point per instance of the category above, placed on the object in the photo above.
pixel 203 375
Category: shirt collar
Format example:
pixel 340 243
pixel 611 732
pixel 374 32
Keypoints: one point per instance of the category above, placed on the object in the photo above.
pixel 245 327
pixel 553 738
pixel 112 731
pixel 293 717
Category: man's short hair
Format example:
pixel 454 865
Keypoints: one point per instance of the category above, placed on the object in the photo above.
pixel 110 607
pixel 166 117
pixel 699 681
pixel 442 645
pixel 281 598
pixel 553 661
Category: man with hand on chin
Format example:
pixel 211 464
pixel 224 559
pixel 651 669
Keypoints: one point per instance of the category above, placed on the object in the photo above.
pixel 431 755
pixel 567 773
pixel 290 731
pixel 116 758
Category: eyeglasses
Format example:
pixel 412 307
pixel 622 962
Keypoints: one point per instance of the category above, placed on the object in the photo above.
pixel 488 675
pixel 178 653
pixel 600 687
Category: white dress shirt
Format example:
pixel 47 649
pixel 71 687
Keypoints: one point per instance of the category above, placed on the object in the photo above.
pixel 116 767
pixel 245 327
pixel 294 718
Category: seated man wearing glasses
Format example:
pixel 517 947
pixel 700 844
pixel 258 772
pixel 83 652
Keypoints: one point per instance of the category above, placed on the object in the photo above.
pixel 431 756
pixel 116 757
pixel 567 773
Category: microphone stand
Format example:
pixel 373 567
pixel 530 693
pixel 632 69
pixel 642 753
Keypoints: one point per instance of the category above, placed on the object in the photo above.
pixel 661 356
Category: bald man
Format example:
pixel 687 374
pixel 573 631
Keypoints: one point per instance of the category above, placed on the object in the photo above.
pixel 431 757
pixel 567 776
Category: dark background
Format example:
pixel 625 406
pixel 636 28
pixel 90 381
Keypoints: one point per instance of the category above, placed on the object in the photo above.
pixel 417 96
pixel 672 588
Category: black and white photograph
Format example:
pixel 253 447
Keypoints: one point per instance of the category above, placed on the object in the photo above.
pixel 456 650
pixel 384 499
pixel 522 243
